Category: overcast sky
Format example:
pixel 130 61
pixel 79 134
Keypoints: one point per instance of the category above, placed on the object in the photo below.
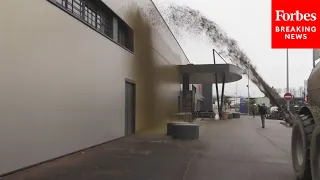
pixel 248 22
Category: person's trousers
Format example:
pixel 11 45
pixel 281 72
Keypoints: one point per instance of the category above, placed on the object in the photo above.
pixel 263 118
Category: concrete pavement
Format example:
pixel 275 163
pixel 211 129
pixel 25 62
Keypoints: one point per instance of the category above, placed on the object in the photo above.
pixel 242 150
pixel 236 149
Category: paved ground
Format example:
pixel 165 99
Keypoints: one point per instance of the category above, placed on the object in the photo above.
pixel 242 150
pixel 227 150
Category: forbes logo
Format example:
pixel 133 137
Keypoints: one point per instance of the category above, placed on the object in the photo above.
pixel 296 16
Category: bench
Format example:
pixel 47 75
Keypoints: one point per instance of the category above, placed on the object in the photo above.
pixel 187 116
pixel 207 114
pixel 171 124
pixel 236 115
pixel 185 131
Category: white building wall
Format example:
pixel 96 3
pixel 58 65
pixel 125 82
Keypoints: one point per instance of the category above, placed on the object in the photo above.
pixel 62 83
pixel 121 7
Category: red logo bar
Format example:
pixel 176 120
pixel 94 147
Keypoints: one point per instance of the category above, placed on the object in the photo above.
pixel 295 24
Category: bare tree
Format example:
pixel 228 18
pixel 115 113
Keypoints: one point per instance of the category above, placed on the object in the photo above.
pixel 293 91
pixel 301 91
pixel 279 90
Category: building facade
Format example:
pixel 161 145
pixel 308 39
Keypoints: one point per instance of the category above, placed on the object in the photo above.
pixel 78 73
pixel 198 97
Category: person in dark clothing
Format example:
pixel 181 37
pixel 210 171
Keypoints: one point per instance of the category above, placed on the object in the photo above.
pixel 263 112
pixel 253 110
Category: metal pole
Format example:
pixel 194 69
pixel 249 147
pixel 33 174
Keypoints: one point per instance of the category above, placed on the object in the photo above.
pixel 304 92
pixel 235 99
pixel 314 63
pixel 217 90
pixel 236 89
pixel 313 58
pixel 288 102
pixel 222 94
pixel 248 94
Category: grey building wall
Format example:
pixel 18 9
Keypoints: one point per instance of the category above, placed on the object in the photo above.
pixel 63 84
pixel 207 94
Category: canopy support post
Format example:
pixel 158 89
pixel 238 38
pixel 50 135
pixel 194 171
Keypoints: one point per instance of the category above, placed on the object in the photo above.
pixel 222 95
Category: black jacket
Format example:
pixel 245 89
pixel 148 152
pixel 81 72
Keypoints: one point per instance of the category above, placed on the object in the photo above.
pixel 262 110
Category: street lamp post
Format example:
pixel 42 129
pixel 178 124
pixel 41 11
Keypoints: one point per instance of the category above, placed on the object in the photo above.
pixel 288 102
pixel 248 93
pixel 236 94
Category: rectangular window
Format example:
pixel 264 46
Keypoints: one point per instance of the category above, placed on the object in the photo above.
pixel 125 35
pixel 77 7
pixel 89 12
pixel 99 17
pixel 122 39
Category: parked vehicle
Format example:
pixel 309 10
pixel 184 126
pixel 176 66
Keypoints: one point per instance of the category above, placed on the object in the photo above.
pixel 275 114
pixel 305 142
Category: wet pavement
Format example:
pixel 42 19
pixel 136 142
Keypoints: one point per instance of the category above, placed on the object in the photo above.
pixel 237 149
pixel 242 150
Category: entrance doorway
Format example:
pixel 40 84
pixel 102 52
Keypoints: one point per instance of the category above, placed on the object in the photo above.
pixel 130 109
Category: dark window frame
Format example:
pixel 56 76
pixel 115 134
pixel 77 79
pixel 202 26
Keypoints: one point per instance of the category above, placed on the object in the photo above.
pixel 128 35
pixel 105 13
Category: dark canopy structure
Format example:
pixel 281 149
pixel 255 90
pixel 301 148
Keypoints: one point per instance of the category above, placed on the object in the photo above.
pixel 210 74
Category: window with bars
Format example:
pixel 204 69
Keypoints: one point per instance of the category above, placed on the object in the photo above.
pixel 88 12
pixel 100 19
pixel 125 35
pixel 74 6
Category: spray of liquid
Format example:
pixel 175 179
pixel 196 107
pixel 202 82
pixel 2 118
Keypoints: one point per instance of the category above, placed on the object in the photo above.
pixel 186 20
pixel 151 74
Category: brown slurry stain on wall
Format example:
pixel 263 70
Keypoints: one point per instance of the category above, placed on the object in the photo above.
pixel 167 91
pixel 157 83
pixel 144 68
